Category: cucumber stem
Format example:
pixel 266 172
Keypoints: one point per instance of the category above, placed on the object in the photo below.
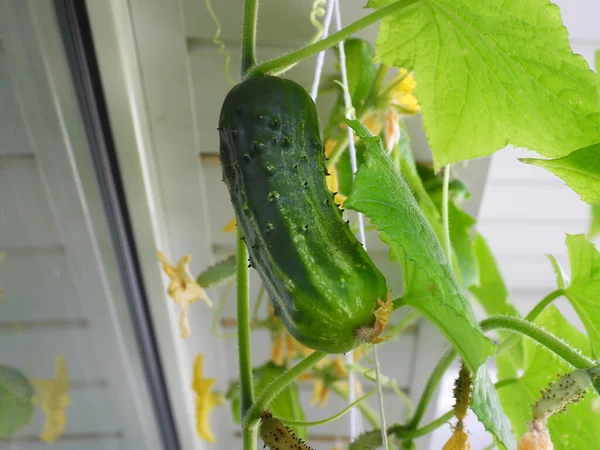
pixel 543 337
pixel 511 340
pixel 243 318
pixel 249 36
pixel 365 409
pixel 251 417
pixel 434 380
pixel 279 65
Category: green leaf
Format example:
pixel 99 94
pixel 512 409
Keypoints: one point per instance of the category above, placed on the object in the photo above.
pixel 561 278
pixel 286 405
pixel 584 290
pixel 574 429
pixel 382 195
pixel 492 294
pixel 580 170
pixel 370 440
pixel 360 68
pixel 486 405
pixel 594 229
pixel 491 73
pixel 217 273
pixel 16 400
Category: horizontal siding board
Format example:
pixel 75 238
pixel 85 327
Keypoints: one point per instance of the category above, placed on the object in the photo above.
pixel 77 442
pixel 25 215
pixel 37 286
pixel 33 352
pixel 90 411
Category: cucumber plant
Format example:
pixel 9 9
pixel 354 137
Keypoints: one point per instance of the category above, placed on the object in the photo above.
pixel 480 69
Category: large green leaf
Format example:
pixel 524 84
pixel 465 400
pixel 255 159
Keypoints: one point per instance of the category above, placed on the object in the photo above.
pixel 486 405
pixel 580 170
pixel 381 194
pixel 493 72
pixel 594 229
pixel 577 428
pixel 584 290
pixel 285 406
pixel 16 401
pixel 492 294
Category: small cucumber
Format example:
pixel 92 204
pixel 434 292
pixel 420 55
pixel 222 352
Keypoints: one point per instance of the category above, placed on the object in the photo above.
pixel 322 283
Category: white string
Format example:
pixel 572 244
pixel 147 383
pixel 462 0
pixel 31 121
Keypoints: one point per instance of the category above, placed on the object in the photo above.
pixel 314 90
pixel 354 417
pixel 380 392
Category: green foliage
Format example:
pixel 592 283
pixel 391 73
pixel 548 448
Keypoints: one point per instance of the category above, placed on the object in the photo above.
pixel 584 289
pixel 491 73
pixel 492 294
pixel 361 69
pixel 594 229
pixel 580 170
pixel 286 405
pixel 561 278
pixel 16 401
pixel 486 405
pixel 370 440
pixel 574 429
pixel 382 195
pixel 217 273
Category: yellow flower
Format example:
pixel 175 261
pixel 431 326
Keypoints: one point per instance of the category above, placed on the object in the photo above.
pixel 402 93
pixel 537 438
pixel 206 400
pixel 183 288
pixel 372 121
pixel 53 398
pixel 458 441
pixel 382 317
pixel 320 393
pixel 284 344
pixel 392 129
pixel 230 227
pixel 333 178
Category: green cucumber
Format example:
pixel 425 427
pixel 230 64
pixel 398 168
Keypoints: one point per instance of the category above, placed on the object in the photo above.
pixel 322 283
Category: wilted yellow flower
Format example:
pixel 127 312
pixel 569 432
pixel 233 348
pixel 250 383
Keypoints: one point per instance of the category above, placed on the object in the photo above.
pixel 183 288
pixel 206 400
pixel 392 129
pixel 382 317
pixel 402 94
pixel 53 398
pixel 231 226
pixel 320 393
pixel 333 179
pixel 458 441
pixel 537 438
pixel 372 121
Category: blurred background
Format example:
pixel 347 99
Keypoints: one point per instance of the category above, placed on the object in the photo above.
pixel 108 152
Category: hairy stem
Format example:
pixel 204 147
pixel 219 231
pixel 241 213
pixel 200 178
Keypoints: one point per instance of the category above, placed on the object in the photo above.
pixel 434 380
pixel 263 401
pixel 283 63
pixel 543 337
pixel 249 36
pixel 511 340
pixel 243 323
pixel 250 438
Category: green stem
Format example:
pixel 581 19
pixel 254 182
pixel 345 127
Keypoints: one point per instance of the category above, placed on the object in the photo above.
pixel 249 36
pixel 278 385
pixel 446 221
pixel 378 81
pixel 259 299
pixel 511 340
pixel 404 433
pixel 366 410
pixel 543 304
pixel 543 337
pixel 243 322
pixel 329 419
pixel 250 438
pixel 434 380
pixel 283 63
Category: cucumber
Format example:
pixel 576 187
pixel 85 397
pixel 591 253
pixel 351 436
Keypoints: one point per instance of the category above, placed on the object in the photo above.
pixel 322 283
